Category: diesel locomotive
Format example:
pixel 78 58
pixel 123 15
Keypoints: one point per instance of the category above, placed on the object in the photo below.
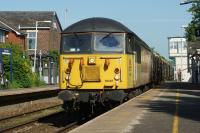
pixel 101 60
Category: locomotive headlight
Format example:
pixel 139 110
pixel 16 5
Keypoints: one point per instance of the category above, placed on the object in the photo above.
pixel 116 77
pixel 91 60
pixel 67 77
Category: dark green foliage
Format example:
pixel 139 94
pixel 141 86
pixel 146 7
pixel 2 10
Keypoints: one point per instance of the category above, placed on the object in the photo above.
pixel 195 23
pixel 37 81
pixel 54 54
pixel 22 74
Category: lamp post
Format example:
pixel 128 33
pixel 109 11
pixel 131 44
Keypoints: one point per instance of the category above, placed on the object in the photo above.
pixel 36 36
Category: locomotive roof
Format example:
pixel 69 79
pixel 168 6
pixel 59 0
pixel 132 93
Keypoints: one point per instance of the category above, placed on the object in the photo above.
pixel 97 25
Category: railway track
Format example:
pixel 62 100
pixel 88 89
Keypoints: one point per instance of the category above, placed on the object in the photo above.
pixel 9 97
pixel 68 127
pixel 51 119
pixel 54 120
pixel 12 122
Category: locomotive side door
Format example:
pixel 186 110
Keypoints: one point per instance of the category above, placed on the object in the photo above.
pixel 137 62
pixel 131 50
pixel 135 66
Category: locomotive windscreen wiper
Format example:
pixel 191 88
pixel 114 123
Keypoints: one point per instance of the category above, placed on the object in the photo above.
pixel 109 41
pixel 79 39
pixel 106 36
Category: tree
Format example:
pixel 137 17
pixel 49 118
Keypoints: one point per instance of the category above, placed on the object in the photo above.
pixel 195 23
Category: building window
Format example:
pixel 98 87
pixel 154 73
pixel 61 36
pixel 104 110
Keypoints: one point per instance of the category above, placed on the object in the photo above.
pixel 171 46
pixel 174 46
pixel 31 38
pixel 184 46
pixel 2 36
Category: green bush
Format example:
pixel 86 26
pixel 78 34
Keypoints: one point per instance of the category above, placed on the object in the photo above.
pixel 37 81
pixel 22 74
pixel 14 85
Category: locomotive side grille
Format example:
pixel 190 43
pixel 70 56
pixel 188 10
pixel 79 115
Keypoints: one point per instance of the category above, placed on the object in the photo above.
pixel 91 73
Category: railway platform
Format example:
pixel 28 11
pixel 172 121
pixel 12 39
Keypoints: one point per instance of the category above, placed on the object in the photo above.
pixel 27 90
pixel 15 96
pixel 171 108
pixel 20 101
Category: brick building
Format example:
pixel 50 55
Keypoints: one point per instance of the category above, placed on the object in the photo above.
pixel 10 35
pixel 22 29
pixel 19 28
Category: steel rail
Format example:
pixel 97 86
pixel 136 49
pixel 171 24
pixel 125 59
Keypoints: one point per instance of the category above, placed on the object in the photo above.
pixel 67 127
pixel 32 120
pixel 27 113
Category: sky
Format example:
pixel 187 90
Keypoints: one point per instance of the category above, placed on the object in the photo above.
pixel 152 20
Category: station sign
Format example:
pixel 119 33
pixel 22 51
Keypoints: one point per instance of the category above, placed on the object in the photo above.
pixel 6 52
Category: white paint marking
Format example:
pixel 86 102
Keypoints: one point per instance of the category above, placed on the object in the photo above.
pixel 135 121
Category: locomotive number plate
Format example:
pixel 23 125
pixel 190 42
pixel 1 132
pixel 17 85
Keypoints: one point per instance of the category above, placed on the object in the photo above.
pixel 91 73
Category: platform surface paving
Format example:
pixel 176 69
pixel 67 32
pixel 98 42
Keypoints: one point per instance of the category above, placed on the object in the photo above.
pixel 172 108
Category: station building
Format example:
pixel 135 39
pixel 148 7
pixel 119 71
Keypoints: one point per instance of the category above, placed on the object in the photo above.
pixel 177 48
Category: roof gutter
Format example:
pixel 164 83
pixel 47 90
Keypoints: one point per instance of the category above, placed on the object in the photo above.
pixel 29 27
pixel 3 29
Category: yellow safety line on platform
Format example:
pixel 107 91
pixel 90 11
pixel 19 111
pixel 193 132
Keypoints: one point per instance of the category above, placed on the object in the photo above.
pixel 176 121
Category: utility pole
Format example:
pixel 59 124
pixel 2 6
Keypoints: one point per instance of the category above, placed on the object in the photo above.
pixel 40 69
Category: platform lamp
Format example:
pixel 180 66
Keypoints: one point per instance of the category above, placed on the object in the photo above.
pixel 36 36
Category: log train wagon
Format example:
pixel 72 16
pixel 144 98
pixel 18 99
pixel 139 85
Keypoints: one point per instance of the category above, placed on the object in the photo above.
pixel 101 60
pixel 162 70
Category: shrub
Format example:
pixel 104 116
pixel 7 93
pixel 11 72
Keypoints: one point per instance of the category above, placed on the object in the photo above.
pixel 22 74
pixel 37 81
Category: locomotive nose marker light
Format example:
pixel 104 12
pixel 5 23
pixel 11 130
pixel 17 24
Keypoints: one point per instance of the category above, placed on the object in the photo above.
pixel 91 60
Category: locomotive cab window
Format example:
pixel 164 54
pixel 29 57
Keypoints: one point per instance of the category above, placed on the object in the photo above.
pixel 109 42
pixel 76 42
pixel 137 49
pixel 130 44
